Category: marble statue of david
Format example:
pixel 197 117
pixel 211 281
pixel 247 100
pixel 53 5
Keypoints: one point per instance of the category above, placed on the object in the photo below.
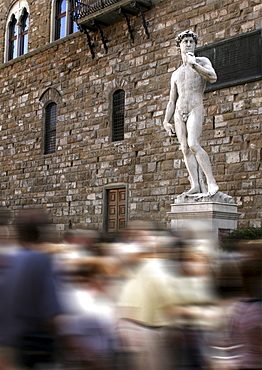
pixel 186 106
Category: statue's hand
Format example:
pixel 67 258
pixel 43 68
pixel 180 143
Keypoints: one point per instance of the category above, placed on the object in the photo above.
pixel 191 59
pixel 169 129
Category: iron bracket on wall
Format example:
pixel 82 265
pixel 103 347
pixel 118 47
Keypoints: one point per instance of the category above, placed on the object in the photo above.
pixel 104 40
pixel 129 27
pixel 89 41
pixel 137 5
pixel 99 20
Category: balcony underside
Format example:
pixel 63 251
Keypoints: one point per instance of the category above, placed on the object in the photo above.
pixel 108 12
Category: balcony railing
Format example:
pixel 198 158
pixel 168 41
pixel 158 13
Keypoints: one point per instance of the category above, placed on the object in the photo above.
pixel 94 15
pixel 92 6
pixel 108 9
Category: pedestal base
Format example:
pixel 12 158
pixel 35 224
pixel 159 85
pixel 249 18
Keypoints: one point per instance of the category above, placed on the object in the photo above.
pixel 221 217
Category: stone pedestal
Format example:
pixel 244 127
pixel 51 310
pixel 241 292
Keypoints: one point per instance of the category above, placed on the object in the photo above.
pixel 219 213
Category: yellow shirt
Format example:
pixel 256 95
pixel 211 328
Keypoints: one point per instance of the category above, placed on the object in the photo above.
pixel 144 296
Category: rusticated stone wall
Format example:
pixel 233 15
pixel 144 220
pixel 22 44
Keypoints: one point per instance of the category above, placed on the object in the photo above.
pixel 70 183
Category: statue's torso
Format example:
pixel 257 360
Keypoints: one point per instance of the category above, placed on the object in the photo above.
pixel 190 87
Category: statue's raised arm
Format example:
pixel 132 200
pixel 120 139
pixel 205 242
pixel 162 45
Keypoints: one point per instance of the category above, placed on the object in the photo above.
pixel 203 66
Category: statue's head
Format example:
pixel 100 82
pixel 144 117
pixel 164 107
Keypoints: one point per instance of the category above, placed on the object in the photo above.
pixel 186 33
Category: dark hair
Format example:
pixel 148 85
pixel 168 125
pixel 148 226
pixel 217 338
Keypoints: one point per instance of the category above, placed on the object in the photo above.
pixel 5 216
pixel 251 272
pixel 184 34
pixel 32 226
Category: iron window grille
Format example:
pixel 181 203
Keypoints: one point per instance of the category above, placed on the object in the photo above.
pixel 118 116
pixel 50 128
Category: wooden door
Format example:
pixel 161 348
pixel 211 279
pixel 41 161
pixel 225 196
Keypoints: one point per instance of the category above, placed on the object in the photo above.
pixel 116 209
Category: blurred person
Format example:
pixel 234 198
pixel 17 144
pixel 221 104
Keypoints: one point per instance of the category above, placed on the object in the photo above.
pixel 239 281
pixel 245 321
pixel 229 289
pixel 143 302
pixel 7 245
pixel 251 249
pixel 197 310
pixel 77 247
pixel 200 235
pixel 5 253
pixel 85 290
pixel 82 242
pixel 29 301
pixel 87 327
pixel 5 217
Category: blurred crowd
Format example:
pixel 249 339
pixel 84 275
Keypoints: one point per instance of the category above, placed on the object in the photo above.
pixel 149 298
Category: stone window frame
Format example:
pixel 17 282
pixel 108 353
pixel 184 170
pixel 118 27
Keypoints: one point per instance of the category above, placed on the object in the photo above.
pixel 49 96
pixel 112 133
pixel 71 26
pixel 17 12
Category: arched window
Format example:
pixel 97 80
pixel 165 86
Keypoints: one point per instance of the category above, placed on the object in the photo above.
pixel 63 23
pixel 118 115
pixel 50 128
pixel 13 34
pixel 17 30
pixel 24 32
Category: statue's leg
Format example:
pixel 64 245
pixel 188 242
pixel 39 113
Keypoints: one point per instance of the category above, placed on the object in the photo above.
pixel 190 160
pixel 203 188
pixel 194 128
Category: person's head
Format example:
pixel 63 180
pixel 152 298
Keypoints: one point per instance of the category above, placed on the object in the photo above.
pixel 194 262
pixel 187 41
pixel 32 227
pixel 228 277
pixel 184 34
pixel 251 273
pixel 83 239
pixel 139 240
pixel 5 217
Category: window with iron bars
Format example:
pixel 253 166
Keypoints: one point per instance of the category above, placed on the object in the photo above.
pixel 50 128
pixel 118 115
